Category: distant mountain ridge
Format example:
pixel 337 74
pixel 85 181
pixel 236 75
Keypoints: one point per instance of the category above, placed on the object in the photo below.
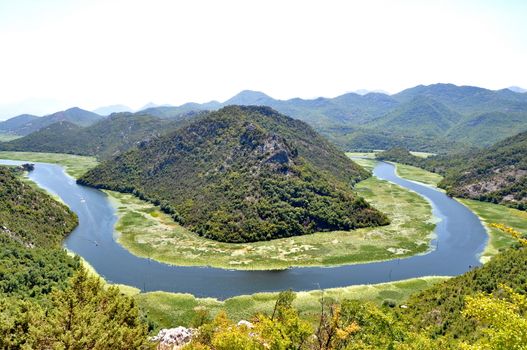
pixel 438 117
pixel 107 110
pixel 104 139
pixel 26 124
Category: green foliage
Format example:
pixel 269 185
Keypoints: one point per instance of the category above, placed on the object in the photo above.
pixel 33 273
pixel 503 318
pixel 497 174
pixel 439 309
pixel 243 174
pixel 32 226
pixel 39 307
pixel 29 216
pixel 85 315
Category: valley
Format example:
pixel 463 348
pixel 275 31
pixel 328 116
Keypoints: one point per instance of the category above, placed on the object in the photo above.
pixel 154 227
pixel 263 175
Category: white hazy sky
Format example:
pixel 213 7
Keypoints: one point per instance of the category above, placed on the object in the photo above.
pixel 61 53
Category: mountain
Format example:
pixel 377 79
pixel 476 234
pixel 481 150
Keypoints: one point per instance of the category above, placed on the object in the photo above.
pixel 517 89
pixel 497 174
pixel 104 139
pixel 180 112
pixel 74 115
pixel 365 92
pixel 423 115
pixel 438 117
pixel 243 174
pixel 468 100
pixel 107 110
pixel 11 126
pixel 249 97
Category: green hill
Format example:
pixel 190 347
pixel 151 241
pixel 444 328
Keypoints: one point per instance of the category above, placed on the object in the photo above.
pixel 32 227
pixel 105 139
pixel 244 174
pixel 497 174
pixel 12 125
pixel 27 124
pixel 423 115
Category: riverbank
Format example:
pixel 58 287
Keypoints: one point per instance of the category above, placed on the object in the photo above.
pixel 74 165
pixel 146 231
pixel 487 212
pixel 171 309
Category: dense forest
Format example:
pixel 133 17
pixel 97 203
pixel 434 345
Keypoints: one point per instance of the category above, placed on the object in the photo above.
pixel 497 174
pixel 244 174
pixel 47 301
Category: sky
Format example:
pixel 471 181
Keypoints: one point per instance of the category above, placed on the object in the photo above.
pixel 56 54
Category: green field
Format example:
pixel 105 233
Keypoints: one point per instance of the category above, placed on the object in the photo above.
pixel 499 214
pixel 417 174
pixel 422 154
pixel 171 309
pixel 74 165
pixel 147 232
pixel 487 212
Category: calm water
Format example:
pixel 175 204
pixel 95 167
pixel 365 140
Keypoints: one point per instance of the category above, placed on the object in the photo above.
pixel 460 239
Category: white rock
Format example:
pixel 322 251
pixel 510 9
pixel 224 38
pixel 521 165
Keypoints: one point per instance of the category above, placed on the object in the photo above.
pixel 173 338
pixel 245 323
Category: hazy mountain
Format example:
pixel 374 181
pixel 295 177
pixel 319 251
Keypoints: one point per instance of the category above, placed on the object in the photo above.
pixel 11 126
pixel 365 92
pixel 438 117
pixel 517 89
pixel 243 174
pixel 249 97
pixel 74 115
pixel 107 110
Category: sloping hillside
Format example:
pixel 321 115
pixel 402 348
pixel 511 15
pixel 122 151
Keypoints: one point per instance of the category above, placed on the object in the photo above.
pixel 244 174
pixel 104 139
pixel 27 124
pixel 497 174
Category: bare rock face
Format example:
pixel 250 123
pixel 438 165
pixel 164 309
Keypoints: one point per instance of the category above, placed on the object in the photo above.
pixel 173 338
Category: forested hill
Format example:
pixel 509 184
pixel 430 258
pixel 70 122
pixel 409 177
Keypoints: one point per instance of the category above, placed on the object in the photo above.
pixel 29 216
pixel 32 227
pixel 497 174
pixel 27 124
pixel 46 298
pixel 244 174
pixel 105 139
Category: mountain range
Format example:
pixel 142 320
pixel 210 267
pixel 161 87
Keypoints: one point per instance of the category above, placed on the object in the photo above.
pixel 26 124
pixel 104 139
pixel 437 118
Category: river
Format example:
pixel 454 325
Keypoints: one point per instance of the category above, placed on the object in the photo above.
pixel 460 239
